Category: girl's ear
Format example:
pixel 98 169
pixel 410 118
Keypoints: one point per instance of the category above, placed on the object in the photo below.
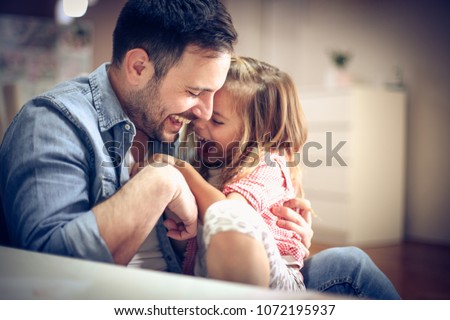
pixel 138 67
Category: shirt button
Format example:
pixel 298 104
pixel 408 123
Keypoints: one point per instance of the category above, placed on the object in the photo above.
pixel 127 127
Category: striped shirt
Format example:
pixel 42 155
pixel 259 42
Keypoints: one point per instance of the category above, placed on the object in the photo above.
pixel 267 186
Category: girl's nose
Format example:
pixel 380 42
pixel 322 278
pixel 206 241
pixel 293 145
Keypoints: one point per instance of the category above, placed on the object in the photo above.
pixel 200 123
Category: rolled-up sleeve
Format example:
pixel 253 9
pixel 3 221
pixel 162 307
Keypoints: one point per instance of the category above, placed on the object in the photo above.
pixel 46 178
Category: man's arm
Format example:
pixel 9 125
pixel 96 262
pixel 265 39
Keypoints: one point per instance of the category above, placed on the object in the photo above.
pixel 46 185
pixel 126 219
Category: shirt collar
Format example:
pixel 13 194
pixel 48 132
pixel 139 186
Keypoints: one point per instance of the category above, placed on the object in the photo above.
pixel 105 100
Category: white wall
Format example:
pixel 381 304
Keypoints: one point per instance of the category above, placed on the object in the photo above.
pixel 103 16
pixel 411 34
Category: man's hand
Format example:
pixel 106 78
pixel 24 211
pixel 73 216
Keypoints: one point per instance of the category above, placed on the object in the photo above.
pixel 295 215
pixel 183 205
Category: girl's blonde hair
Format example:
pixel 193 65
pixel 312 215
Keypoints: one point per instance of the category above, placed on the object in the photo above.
pixel 273 120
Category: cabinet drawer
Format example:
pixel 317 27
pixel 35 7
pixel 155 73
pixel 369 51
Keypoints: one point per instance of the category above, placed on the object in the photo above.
pixel 327 139
pixel 334 178
pixel 327 108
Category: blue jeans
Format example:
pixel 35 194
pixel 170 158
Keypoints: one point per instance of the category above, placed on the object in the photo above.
pixel 347 271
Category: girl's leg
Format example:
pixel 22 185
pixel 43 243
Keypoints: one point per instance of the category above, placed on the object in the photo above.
pixel 237 257
pixel 240 247
pixel 348 271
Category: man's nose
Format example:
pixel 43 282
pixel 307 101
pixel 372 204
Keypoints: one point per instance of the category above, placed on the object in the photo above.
pixel 203 110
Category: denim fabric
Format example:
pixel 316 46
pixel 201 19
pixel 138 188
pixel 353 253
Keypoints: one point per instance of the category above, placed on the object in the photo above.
pixel 62 155
pixel 348 271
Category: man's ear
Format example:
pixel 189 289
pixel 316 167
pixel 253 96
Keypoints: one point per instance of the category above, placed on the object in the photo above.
pixel 139 68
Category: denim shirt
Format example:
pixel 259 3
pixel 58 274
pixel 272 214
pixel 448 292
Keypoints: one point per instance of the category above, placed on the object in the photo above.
pixel 62 155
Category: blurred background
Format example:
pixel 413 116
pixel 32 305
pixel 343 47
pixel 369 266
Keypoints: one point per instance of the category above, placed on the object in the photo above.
pixel 374 81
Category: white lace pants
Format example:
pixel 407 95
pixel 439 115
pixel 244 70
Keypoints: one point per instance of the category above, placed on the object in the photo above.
pixel 236 215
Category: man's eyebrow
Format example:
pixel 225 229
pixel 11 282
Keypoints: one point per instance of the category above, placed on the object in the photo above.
pixel 199 89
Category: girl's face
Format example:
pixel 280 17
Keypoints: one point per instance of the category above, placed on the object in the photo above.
pixel 220 134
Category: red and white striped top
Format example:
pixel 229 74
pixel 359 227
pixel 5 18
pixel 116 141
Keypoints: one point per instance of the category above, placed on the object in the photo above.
pixel 267 186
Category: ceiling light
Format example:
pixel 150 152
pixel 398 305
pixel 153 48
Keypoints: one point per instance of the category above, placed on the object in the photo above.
pixel 61 17
pixel 75 8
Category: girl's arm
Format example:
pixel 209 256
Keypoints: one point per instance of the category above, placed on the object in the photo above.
pixel 204 193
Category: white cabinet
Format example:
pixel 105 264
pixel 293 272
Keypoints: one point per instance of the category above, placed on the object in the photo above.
pixel 354 164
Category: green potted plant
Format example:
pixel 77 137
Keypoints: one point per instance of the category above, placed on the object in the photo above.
pixel 340 58
pixel 338 76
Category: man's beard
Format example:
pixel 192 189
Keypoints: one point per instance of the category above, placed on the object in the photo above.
pixel 146 110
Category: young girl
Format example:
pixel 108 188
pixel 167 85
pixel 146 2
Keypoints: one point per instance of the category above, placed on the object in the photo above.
pixel 250 147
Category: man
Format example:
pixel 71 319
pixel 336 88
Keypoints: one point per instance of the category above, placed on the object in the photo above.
pixel 64 175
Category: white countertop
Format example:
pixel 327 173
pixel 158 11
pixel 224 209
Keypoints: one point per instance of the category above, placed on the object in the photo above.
pixel 32 275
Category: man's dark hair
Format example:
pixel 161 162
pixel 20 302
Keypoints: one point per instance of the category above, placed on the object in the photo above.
pixel 163 28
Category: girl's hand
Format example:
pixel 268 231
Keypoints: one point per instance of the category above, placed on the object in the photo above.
pixel 295 215
pixel 163 158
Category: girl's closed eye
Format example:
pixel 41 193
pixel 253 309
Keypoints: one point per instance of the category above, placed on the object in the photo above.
pixel 216 122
